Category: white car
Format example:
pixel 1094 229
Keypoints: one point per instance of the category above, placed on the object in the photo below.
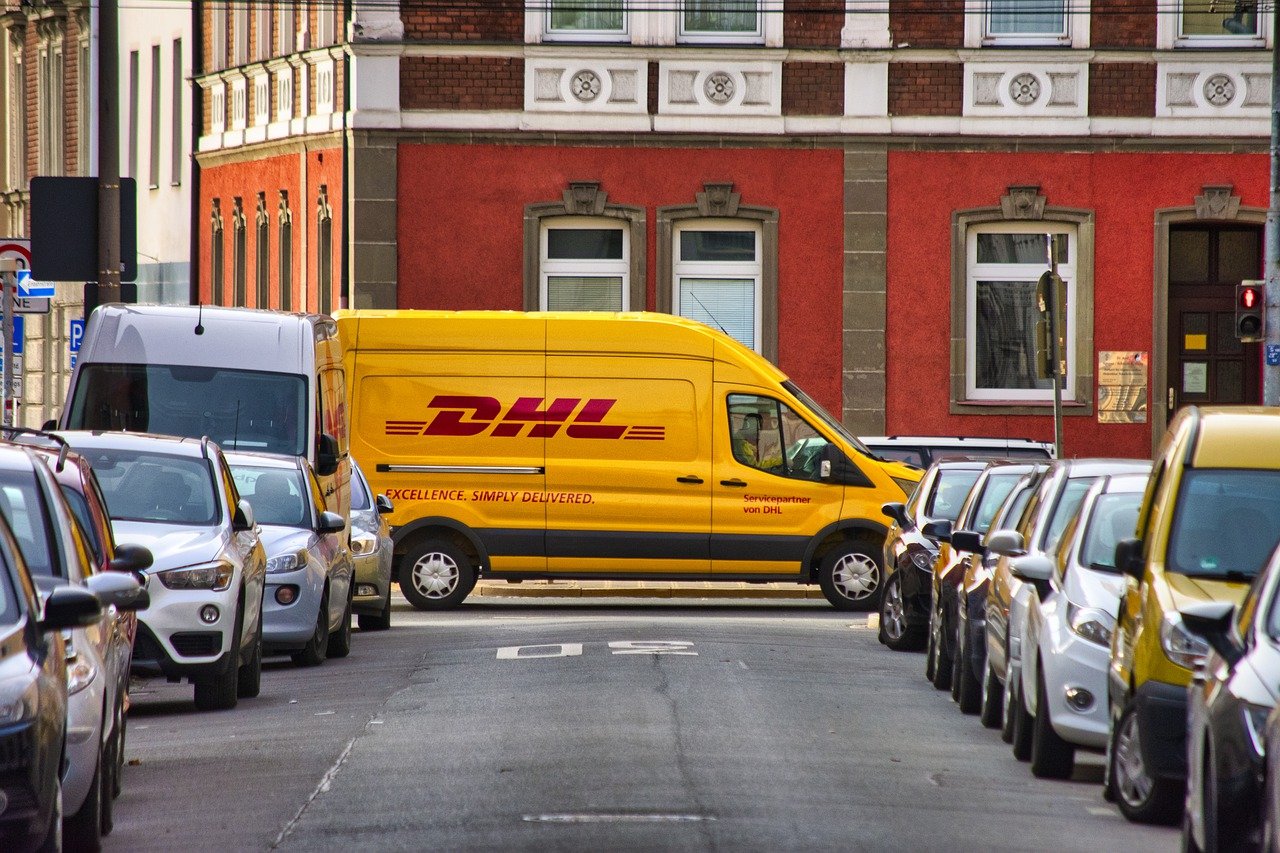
pixel 176 497
pixel 1071 614
pixel 372 550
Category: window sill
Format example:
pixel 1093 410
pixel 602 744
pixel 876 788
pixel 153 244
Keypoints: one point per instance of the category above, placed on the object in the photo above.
pixel 1070 408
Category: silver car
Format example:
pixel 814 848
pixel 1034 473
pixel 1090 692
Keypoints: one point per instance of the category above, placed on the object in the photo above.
pixel 307 610
pixel 372 548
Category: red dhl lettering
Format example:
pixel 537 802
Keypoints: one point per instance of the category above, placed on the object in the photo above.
pixel 533 417
pixel 426 494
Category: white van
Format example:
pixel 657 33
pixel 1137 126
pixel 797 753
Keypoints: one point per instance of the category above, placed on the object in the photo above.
pixel 261 381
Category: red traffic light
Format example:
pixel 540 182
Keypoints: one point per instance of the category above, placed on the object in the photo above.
pixel 1250 297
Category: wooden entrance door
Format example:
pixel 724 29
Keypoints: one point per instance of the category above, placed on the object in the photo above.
pixel 1207 363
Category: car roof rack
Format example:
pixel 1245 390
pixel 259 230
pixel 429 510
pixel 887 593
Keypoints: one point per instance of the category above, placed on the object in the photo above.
pixel 61 442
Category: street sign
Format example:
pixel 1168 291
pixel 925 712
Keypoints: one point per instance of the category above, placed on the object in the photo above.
pixel 1273 354
pixel 18 248
pixel 17 335
pixel 76 335
pixel 29 288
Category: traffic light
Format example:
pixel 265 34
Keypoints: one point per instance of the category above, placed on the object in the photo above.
pixel 1251 311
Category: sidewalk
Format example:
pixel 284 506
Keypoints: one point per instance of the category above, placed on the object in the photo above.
pixel 643 589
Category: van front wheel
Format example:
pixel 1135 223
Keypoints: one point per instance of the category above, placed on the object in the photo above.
pixel 436 575
pixel 850 577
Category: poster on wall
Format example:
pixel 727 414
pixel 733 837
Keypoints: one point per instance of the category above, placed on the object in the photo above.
pixel 1122 387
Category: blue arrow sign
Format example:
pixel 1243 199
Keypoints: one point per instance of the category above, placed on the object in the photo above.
pixel 30 289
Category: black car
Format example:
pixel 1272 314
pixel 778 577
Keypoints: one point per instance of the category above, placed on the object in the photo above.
pixel 33 698
pixel 1229 701
pixel 910 550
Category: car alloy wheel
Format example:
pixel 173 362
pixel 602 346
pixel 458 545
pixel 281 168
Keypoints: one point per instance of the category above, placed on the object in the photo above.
pixel 1141 797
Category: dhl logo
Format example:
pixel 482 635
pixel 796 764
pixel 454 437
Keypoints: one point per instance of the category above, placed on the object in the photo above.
pixel 466 416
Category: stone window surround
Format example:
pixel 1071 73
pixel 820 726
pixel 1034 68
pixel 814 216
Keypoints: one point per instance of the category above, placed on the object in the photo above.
pixel 1077 34
pixel 1169 25
pixel 583 198
pixel 217 272
pixel 1023 203
pixel 719 201
pixel 657 26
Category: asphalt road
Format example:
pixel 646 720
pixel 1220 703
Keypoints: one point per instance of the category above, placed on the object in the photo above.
pixel 591 725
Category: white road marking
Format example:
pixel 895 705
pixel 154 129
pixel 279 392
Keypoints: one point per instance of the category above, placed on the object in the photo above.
pixel 652 647
pixel 873 621
pixel 616 818
pixel 558 650
pixel 1101 811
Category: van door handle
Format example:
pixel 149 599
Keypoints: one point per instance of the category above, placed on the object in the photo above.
pixel 697 481
pixel 739 484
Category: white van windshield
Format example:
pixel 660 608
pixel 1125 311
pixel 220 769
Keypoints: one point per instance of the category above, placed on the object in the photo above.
pixel 239 409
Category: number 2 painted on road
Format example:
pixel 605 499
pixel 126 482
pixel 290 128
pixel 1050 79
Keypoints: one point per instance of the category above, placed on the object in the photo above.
pixel 652 647
pixel 618 647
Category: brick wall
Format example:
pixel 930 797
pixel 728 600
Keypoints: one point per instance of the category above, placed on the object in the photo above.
pixel 813 88
pixel 71 97
pixel 813 23
pixel 653 88
pixel 1133 26
pixel 926 88
pixel 500 21
pixel 461 83
pixel 1119 89
pixel 927 23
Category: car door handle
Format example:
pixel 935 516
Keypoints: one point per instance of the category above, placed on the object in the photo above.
pixel 697 481
pixel 737 484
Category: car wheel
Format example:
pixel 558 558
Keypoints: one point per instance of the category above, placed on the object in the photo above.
pixel 377 621
pixel 930 650
pixel 968 690
pixel 1022 721
pixel 249 679
pixel 317 647
pixel 896 630
pixel 436 575
pixel 1051 756
pixel 942 661
pixel 83 830
pixel 1006 709
pixel 340 640
pixel 52 841
pixel 1141 797
pixel 850 577
pixel 122 731
pixel 991 714
pixel 219 692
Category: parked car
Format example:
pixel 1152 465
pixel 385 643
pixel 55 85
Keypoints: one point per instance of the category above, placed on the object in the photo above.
pixel 1271 785
pixel 1231 697
pixel 1210 519
pixel 307 609
pixel 910 551
pixel 372 550
pixel 33 697
pixel 176 497
pixel 981 507
pixel 57 553
pixel 1067 633
pixel 923 450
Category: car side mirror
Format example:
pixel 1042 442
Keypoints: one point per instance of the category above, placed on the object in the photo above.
pixel 326 455
pixel 119 590
pixel 1031 567
pixel 939 530
pixel 1129 558
pixel 330 522
pixel 1211 621
pixel 968 542
pixel 1006 543
pixel 70 607
pixel 243 518
pixel 131 558
pixel 384 504
pixel 898 512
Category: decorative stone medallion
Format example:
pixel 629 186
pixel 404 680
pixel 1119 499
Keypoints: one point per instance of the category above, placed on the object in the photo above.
pixel 1219 90
pixel 1024 89
pixel 719 87
pixel 585 85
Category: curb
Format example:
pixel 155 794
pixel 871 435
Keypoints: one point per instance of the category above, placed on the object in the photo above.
pixel 643 589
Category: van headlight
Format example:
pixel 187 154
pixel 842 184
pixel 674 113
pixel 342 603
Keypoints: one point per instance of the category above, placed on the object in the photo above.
pixel 1090 624
pixel 290 562
pixel 363 543
pixel 1180 645
pixel 215 576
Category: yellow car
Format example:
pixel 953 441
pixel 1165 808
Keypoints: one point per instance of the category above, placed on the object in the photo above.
pixel 1210 518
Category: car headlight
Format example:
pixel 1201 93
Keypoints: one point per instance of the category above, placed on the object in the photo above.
pixel 1180 645
pixel 923 561
pixel 907 486
pixel 214 576
pixel 19 700
pixel 290 562
pixel 1255 723
pixel 363 543
pixel 80 672
pixel 1090 624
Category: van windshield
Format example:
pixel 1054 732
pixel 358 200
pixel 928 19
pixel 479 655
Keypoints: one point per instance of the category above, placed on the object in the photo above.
pixel 239 409
pixel 826 418
pixel 1226 523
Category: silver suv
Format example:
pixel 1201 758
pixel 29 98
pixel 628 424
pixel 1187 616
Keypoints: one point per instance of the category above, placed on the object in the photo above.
pixel 923 450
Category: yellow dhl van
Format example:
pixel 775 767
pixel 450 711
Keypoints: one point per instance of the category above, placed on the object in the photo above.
pixel 607 447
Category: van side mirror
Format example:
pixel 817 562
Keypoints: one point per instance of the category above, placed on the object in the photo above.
pixel 1129 558
pixel 243 518
pixel 938 531
pixel 1006 543
pixel 384 505
pixel 70 607
pixel 330 522
pixel 1211 621
pixel 968 542
pixel 326 455
pixel 118 590
pixel 898 512
pixel 835 467
pixel 131 558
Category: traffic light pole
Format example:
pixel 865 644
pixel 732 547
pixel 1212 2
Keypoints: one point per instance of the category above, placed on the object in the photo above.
pixel 1271 372
pixel 1055 356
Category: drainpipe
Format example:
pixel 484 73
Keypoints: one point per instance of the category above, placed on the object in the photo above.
pixel 197 127
pixel 345 300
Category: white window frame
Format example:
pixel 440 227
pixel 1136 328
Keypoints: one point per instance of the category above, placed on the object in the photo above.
pixel 753 270
pixel 975 272
pixel 50 155
pixel 218 14
pixel 240 35
pixel 756 36
pixel 1169 34
pixel 325 26
pixel 622 35
pixel 263 42
pixel 657 22
pixel 1075 33
pixel 286 27
pixel 84 105
pixel 584 268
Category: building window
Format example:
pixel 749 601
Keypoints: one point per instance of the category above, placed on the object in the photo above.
pixel 17 106
pixel 720 20
pixel 262 36
pixel 218 13
pixel 84 101
pixel 324 26
pixel 285 251
pixel 240 34
pixel 718 264
pixel 284 28
pixel 134 106
pixel 324 253
pixel 262 246
pixel 1025 21
pixel 605 20
pixel 155 116
pixel 175 123
pixel 50 155
pixel 999 256
pixel 216 276
pixel 584 253
pixel 239 270
pixel 1213 19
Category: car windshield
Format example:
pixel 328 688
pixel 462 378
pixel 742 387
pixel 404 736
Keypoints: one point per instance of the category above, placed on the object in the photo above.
pixel 28 519
pixel 1068 502
pixel 949 492
pixel 239 409
pixel 159 487
pixel 994 492
pixel 1226 523
pixel 1114 517
pixel 277 495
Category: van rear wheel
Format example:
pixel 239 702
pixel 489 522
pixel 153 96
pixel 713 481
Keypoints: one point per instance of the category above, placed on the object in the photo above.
pixel 436 575
pixel 851 576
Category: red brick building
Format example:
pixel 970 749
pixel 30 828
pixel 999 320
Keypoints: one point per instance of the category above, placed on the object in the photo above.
pixel 863 196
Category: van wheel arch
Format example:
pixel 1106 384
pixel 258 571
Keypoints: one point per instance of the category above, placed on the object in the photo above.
pixel 837 534
pixel 407 537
